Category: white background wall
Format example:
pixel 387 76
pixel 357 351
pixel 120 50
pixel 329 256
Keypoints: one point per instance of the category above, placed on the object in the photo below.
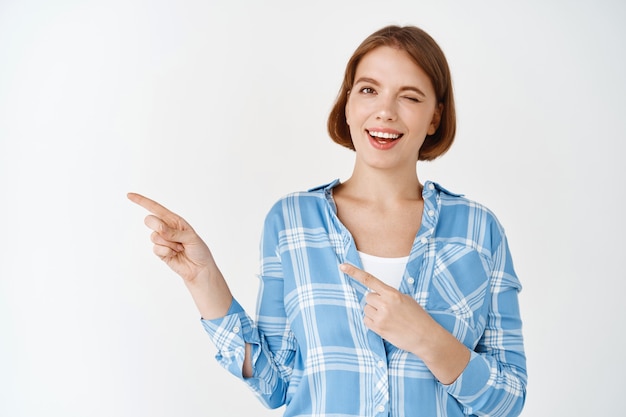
pixel 216 110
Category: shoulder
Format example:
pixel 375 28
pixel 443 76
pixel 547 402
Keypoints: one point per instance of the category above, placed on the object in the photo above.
pixel 316 195
pixel 462 216
pixel 303 203
pixel 456 202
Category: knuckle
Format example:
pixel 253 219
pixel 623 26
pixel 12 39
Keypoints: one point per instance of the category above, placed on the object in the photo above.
pixel 395 296
pixel 161 251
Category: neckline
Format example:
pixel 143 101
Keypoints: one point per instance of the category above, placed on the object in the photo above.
pixel 401 259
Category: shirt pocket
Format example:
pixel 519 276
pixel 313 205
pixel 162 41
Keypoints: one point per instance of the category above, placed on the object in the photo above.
pixel 458 297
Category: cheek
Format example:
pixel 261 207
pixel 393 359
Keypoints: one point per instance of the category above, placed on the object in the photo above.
pixel 355 114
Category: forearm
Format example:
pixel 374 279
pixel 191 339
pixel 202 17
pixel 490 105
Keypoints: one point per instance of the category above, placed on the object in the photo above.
pixel 488 387
pixel 442 353
pixel 247 370
pixel 210 293
pixel 494 381
pixel 246 353
pixel 213 300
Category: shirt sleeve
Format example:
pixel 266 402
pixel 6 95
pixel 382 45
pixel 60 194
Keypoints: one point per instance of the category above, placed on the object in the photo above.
pixel 494 381
pixel 272 343
pixel 230 334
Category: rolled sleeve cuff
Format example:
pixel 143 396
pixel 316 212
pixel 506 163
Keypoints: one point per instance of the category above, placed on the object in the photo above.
pixel 474 380
pixel 230 335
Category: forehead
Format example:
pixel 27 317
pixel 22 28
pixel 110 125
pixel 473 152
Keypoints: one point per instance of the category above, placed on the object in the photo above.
pixel 386 61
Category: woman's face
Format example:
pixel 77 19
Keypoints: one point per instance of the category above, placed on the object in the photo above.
pixel 390 110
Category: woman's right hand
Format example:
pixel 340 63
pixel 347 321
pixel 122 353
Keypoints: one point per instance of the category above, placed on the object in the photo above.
pixel 175 241
pixel 180 247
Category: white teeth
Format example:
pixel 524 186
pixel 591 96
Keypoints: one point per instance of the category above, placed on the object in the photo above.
pixel 384 135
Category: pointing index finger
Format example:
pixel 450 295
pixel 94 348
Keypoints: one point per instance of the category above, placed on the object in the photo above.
pixel 150 205
pixel 365 278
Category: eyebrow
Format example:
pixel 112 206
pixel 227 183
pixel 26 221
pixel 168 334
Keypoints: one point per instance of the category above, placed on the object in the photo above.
pixel 376 83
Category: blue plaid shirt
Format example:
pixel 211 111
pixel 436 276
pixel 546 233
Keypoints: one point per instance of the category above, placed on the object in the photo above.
pixel 311 350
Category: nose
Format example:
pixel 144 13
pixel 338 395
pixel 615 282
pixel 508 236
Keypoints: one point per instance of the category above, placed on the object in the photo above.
pixel 387 108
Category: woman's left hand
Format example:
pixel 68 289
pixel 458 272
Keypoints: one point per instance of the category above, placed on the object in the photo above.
pixel 394 316
pixel 399 319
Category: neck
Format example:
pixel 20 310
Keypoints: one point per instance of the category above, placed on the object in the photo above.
pixel 383 185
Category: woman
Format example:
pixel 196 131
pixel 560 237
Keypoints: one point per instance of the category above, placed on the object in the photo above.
pixel 379 295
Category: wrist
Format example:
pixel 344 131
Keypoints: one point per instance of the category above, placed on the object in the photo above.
pixel 210 293
pixel 444 354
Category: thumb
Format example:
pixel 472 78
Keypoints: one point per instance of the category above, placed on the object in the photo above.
pixel 173 234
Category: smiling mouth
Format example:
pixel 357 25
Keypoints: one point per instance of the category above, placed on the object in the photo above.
pixel 384 137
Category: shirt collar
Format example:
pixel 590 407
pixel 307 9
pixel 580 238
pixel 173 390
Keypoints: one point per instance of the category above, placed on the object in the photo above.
pixel 326 187
pixel 429 187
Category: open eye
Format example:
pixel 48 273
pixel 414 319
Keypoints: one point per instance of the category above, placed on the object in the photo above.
pixel 367 90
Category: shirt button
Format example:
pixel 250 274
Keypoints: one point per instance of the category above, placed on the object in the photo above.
pixel 381 408
pixel 236 329
pixel 424 240
pixel 411 280
pixel 431 186
pixel 431 213
pixel 380 364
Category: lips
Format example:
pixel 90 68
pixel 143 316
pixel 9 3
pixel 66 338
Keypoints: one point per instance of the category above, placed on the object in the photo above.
pixel 384 137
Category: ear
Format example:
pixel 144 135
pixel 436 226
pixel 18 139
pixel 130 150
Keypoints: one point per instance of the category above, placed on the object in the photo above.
pixel 436 120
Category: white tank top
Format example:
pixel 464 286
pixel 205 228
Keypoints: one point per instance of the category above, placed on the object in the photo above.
pixel 388 270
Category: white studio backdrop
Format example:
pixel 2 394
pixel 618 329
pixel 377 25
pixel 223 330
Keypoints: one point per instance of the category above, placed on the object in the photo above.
pixel 216 109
